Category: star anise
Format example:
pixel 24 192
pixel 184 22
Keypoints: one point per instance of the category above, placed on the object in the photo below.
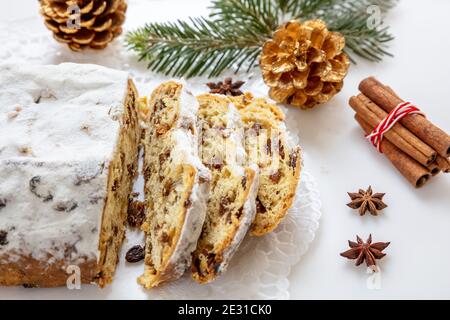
pixel 367 201
pixel 367 251
pixel 227 87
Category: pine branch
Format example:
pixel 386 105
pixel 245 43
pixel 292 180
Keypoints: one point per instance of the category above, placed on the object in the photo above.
pixel 307 9
pixel 284 5
pixel 370 44
pixel 258 15
pixel 233 35
pixel 350 17
pixel 191 48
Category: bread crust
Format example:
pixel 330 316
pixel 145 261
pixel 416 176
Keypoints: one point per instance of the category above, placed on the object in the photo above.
pixel 33 273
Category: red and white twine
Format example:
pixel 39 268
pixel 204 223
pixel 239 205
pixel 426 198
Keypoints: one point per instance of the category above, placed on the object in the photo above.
pixel 397 114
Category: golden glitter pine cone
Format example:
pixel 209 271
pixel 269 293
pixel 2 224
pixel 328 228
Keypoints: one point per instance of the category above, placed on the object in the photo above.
pixel 304 64
pixel 100 21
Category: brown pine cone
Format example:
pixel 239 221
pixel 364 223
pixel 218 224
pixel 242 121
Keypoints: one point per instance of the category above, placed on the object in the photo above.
pixel 304 64
pixel 100 21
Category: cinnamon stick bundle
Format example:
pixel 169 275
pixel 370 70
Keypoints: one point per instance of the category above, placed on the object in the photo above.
pixel 417 124
pixel 416 147
pixel 416 174
pixel 398 135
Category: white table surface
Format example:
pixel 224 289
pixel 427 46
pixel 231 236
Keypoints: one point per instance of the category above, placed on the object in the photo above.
pixel 417 222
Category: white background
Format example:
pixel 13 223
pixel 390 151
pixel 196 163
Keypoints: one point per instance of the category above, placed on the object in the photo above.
pixel 417 222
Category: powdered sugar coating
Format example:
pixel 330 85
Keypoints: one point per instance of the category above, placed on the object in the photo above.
pixel 59 126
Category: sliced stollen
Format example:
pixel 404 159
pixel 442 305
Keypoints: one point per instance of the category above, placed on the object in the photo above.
pixel 69 138
pixel 176 184
pixel 268 144
pixel 231 205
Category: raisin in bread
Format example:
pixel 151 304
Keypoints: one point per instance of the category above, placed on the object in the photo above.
pixel 68 157
pixel 268 144
pixel 231 204
pixel 176 184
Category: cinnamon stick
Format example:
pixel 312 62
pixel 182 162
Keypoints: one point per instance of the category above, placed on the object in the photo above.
pixel 434 169
pixel 444 164
pixel 416 174
pixel 398 135
pixel 417 124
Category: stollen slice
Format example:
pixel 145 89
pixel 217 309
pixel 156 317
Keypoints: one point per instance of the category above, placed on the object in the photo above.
pixel 279 159
pixel 231 205
pixel 176 184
